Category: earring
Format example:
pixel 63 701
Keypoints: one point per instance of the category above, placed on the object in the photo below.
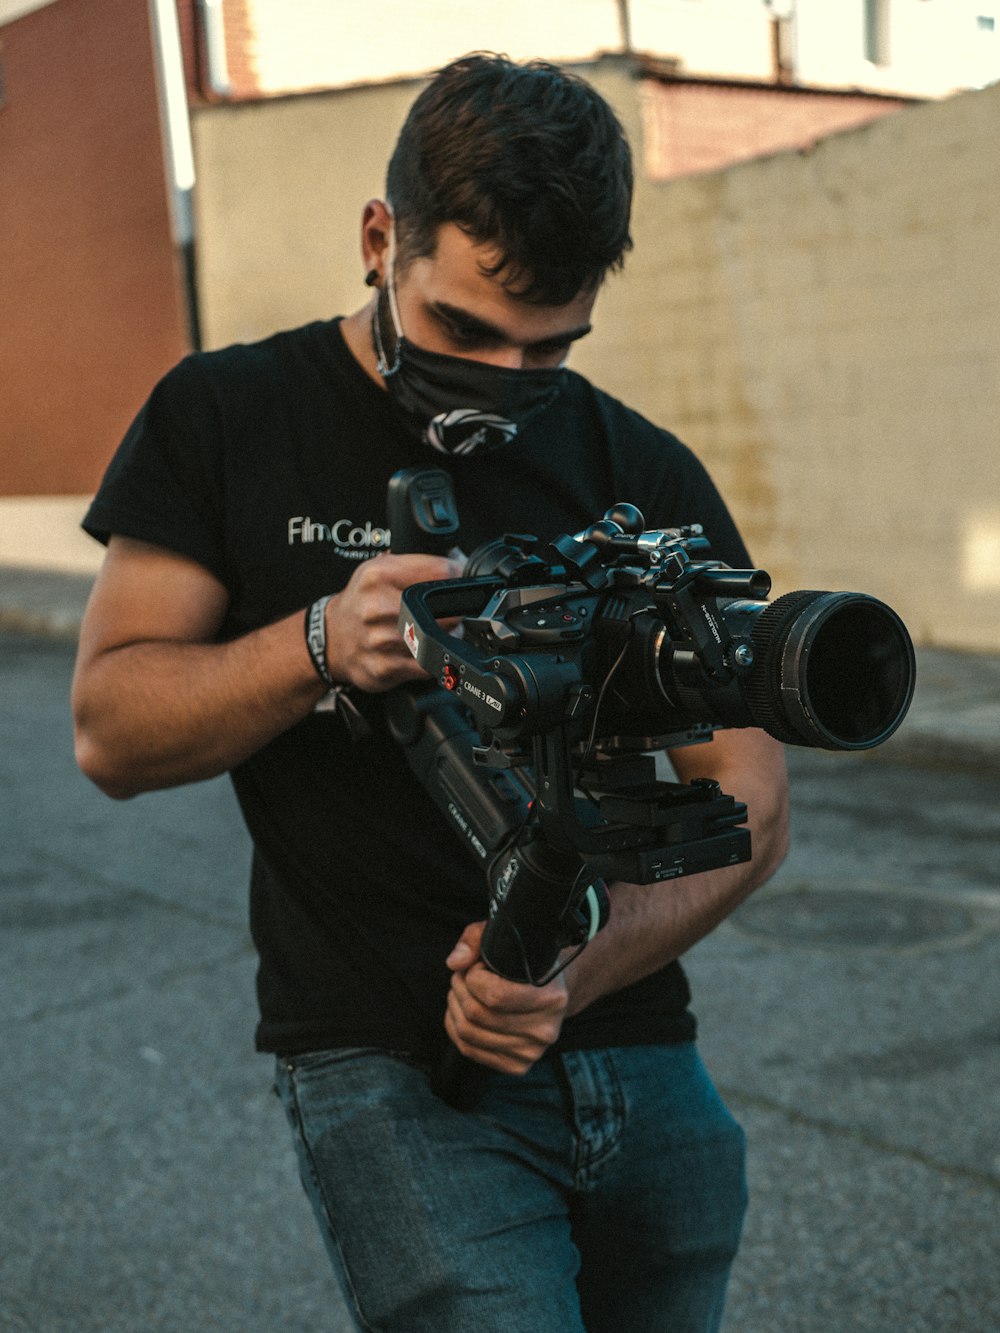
pixel 371 277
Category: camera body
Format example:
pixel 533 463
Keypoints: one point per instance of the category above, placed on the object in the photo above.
pixel 639 640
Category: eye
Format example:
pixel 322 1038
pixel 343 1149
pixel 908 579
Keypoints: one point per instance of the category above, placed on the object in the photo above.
pixel 466 335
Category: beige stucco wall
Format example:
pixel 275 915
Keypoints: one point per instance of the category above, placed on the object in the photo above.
pixel 822 328
pixel 281 186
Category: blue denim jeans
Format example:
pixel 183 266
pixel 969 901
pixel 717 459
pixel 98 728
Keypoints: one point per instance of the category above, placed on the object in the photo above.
pixel 603 1191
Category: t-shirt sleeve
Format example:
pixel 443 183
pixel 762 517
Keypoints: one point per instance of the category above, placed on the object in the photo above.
pixel 671 484
pixel 694 498
pixel 164 484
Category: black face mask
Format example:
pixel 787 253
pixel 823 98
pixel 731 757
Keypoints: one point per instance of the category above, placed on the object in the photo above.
pixel 458 406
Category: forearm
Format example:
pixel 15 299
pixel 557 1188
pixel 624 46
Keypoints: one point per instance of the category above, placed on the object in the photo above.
pixel 158 700
pixel 159 713
pixel 507 1025
pixel 652 924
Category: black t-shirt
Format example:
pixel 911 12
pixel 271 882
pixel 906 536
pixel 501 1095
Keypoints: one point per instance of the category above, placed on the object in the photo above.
pixel 269 465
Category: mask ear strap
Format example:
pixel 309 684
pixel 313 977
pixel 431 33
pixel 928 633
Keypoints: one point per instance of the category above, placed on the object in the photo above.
pixel 389 292
pixel 390 284
pixel 382 361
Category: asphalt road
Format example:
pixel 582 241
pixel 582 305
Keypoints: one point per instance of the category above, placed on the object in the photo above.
pixel 850 1012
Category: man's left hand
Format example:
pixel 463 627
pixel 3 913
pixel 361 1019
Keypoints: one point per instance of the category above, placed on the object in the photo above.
pixel 506 1025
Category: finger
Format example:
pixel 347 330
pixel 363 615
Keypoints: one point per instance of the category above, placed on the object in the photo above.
pixel 482 1023
pixel 381 672
pixel 505 1055
pixel 400 571
pixel 466 950
pixel 516 1051
pixel 478 1037
pixel 473 1015
pixel 515 997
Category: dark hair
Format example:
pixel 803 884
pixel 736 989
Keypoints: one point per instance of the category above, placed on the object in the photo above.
pixel 527 158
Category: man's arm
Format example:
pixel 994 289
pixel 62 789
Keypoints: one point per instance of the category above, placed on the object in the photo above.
pixel 157 701
pixel 508 1026
pixel 652 924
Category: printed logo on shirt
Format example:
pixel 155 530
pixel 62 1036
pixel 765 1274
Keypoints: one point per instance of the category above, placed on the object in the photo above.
pixel 352 541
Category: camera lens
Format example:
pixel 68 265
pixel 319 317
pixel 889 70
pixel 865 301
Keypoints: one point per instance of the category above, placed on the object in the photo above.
pixel 834 670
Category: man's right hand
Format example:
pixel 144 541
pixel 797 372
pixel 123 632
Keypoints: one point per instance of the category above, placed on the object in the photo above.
pixel 364 646
pixel 160 700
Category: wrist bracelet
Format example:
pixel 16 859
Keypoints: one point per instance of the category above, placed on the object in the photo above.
pixel 316 640
pixel 336 699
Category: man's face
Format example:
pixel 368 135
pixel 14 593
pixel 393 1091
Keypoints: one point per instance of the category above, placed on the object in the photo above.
pixel 448 304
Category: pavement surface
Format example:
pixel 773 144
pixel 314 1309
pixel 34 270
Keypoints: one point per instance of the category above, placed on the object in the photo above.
pixel 850 1012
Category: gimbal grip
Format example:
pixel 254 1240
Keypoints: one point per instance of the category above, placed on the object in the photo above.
pixel 460 1083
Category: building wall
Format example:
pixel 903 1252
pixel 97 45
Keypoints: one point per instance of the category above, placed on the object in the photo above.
pixel 691 126
pixel 726 38
pixel 91 300
pixel 928 47
pixel 316 44
pixel 281 185
pixel 820 326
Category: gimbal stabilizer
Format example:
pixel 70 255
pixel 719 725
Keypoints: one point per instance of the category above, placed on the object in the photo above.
pixel 545 867
pixel 577 661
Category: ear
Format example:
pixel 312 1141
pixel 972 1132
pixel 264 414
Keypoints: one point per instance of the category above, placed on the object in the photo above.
pixel 376 227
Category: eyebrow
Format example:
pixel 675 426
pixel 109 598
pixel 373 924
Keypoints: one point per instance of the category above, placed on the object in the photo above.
pixel 486 329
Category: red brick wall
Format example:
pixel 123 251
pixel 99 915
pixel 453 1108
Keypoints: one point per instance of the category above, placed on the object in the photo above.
pixel 92 300
pixel 240 52
pixel 691 127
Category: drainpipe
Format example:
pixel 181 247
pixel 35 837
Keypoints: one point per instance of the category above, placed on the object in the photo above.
pixel 625 27
pixel 783 38
pixel 213 25
pixel 178 153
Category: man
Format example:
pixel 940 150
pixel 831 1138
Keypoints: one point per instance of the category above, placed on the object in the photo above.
pixel 599 1184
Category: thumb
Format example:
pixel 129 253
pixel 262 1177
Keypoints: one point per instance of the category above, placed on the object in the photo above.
pixel 466 949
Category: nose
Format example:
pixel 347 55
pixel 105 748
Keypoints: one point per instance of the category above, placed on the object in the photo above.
pixel 507 358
